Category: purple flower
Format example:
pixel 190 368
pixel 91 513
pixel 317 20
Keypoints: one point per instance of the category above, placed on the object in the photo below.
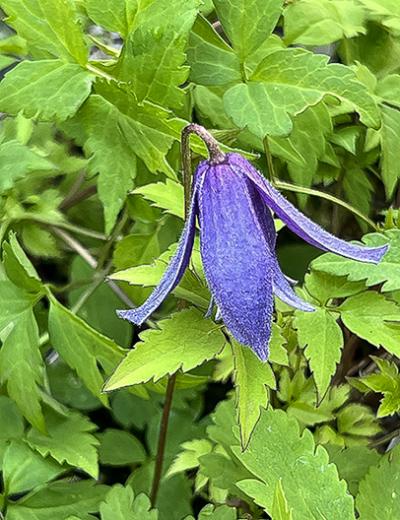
pixel 233 204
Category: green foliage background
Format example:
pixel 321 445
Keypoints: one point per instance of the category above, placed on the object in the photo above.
pixel 93 98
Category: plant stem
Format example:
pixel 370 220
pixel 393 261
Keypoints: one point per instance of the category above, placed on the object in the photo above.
pixel 270 164
pixel 216 156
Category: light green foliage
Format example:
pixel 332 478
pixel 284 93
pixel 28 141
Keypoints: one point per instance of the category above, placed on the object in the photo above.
pixel 118 16
pixel 302 77
pixel 319 333
pixel 386 272
pixel 319 22
pixel 378 497
pixel 188 458
pixel 210 512
pixel 252 379
pixel 386 11
pixel 67 332
pixel 292 459
pixel 246 33
pixel 121 504
pixel 183 341
pixel 68 439
pixel 386 382
pixel 280 509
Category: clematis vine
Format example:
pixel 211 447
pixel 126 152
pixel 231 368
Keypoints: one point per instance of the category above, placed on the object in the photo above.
pixel 233 203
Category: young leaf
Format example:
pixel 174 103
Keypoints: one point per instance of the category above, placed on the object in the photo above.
pixel 280 510
pixel 24 469
pixel 166 195
pixel 292 458
pixel 322 338
pixel 386 272
pixel 304 78
pixel 248 31
pixel 252 380
pixel 70 498
pixel 378 497
pixel 18 267
pixel 50 28
pixel 68 439
pixel 372 317
pixel 183 341
pixel 121 504
pixel 47 89
pixel 82 347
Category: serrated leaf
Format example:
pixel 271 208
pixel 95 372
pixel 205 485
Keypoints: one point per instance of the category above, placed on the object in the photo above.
pixel 46 89
pixel 246 31
pixel 387 11
pixel 18 267
pixel 115 15
pixel 319 22
pixel 120 448
pixel 311 485
pixel 121 504
pixel 82 347
pixel 211 512
pixel 166 195
pixel 322 338
pixel 24 469
pixel 324 287
pixel 58 501
pixel 288 81
pixel 68 439
pixel 386 272
pixel 51 28
pixel 379 492
pixel 183 341
pixel 252 379
pixel 374 318
pixel 188 458
pixel 277 352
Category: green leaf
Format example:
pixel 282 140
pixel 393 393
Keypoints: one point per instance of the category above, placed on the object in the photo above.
pixel 319 22
pixel 68 439
pixel 82 347
pixel 211 512
pixel 277 352
pixel 389 138
pixel 280 510
pixel 322 338
pixel 16 161
pixel 386 11
pixel 58 501
pixel 51 28
pixel 378 498
pixel 18 267
pixel 374 318
pixel 288 81
pixel 311 485
pixel 121 504
pixel 386 272
pixel 248 23
pixel 325 287
pixel 189 457
pixel 24 469
pixel 212 61
pixel 166 195
pixel 46 89
pixel 183 342
pixel 120 448
pixel 115 15
pixel 252 379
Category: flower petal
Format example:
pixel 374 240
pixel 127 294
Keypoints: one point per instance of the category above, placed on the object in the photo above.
pixel 177 265
pixel 284 291
pixel 236 257
pixel 302 225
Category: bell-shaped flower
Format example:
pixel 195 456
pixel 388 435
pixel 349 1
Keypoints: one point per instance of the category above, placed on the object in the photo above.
pixel 233 204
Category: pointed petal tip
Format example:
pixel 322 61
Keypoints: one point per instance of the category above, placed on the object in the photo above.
pixel 374 255
pixel 132 315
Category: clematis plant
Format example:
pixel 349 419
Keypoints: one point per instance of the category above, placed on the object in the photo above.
pixel 233 203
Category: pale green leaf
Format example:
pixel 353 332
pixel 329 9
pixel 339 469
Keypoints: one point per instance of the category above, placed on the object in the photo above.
pixel 379 492
pixel 82 347
pixel 324 287
pixel 211 512
pixel 285 83
pixel 121 504
pixel 51 28
pixel 319 22
pixel 387 272
pixel 248 23
pixel 116 15
pixel 188 458
pixel 277 352
pixel 311 485
pixel 372 317
pixel 386 11
pixel 18 267
pixel 24 469
pixel 280 510
pixel 47 89
pixel 322 338
pixel 252 379
pixel 166 195
pixel 68 439
pixel 58 501
pixel 183 341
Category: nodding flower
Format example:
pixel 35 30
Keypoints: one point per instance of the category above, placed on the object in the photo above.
pixel 233 203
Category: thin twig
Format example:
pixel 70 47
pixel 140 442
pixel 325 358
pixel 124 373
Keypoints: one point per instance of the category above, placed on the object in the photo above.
pixel 77 196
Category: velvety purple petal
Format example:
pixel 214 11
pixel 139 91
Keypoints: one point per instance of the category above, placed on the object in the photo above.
pixel 299 223
pixel 236 257
pixel 177 265
pixel 284 291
